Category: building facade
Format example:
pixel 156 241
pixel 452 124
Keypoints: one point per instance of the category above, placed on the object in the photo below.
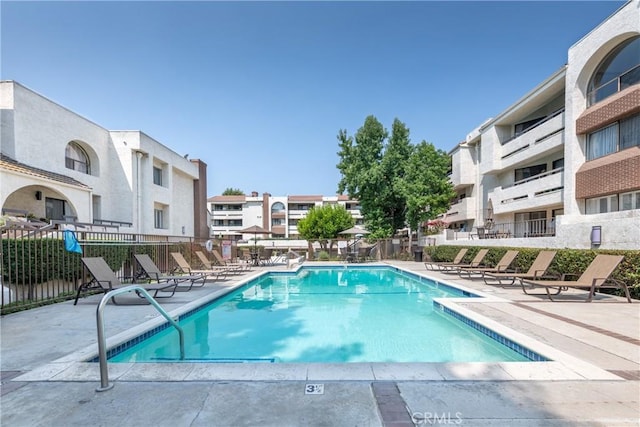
pixel 562 164
pixel 278 214
pixel 56 165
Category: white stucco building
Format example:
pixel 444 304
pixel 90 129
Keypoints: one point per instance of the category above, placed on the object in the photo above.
pixel 278 214
pixel 57 165
pixel 564 158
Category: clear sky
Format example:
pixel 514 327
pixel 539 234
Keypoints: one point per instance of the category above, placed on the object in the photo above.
pixel 259 90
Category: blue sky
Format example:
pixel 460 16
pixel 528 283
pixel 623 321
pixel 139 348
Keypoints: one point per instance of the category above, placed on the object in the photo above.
pixel 259 90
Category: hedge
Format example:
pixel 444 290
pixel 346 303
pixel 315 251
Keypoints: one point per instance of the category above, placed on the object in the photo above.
pixel 566 261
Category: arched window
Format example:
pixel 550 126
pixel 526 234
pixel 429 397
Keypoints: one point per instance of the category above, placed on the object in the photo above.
pixel 619 70
pixel 76 158
pixel 277 207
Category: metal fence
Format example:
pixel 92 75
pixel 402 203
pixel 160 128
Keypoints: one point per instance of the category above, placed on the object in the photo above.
pixel 35 267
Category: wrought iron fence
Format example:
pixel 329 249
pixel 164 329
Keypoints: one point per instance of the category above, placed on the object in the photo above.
pixel 528 228
pixel 35 267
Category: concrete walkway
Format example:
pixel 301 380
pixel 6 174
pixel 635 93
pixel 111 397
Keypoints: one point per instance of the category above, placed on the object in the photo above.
pixel 594 378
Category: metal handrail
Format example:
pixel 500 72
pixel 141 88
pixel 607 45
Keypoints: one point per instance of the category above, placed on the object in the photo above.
pixel 102 344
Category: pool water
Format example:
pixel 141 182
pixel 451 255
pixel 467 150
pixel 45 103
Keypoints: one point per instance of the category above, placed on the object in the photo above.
pixel 326 315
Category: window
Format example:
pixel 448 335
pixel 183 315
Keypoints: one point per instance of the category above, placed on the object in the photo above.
pixel 76 158
pixel 235 223
pixel 630 201
pixel 557 164
pixel 227 207
pixel 630 132
pixel 521 128
pixel 218 223
pixel 277 207
pixel 529 171
pixel 619 70
pixel 158 218
pixel 157 176
pixel 602 204
pixel 615 137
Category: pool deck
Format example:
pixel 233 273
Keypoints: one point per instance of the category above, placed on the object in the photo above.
pixel 594 378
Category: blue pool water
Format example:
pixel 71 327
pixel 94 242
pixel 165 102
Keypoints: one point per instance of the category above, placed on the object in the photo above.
pixel 338 314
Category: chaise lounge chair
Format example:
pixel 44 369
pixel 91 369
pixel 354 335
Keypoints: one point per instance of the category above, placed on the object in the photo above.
pixel 501 267
pixel 537 271
pixel 446 265
pixel 476 262
pixel 216 273
pixel 242 266
pixel 596 276
pixel 151 271
pixel 231 268
pixel 105 280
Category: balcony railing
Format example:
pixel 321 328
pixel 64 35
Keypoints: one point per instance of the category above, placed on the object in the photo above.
pixel 529 228
pixel 528 193
pixel 529 129
pixel 614 85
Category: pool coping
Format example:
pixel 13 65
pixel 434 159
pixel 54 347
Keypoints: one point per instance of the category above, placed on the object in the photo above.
pixel 561 366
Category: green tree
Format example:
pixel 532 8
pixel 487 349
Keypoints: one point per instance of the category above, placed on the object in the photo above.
pixel 362 175
pixel 323 224
pixel 396 182
pixel 233 192
pixel 426 186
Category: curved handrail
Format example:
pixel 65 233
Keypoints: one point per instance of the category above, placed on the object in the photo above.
pixel 102 345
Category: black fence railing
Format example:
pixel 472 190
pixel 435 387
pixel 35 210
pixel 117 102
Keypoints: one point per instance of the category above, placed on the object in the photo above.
pixel 504 230
pixel 35 267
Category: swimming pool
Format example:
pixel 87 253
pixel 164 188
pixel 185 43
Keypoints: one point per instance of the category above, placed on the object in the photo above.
pixel 343 314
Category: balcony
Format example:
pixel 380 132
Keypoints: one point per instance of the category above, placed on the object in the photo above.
pixel 538 191
pixel 463 210
pixel 544 138
pixel 463 171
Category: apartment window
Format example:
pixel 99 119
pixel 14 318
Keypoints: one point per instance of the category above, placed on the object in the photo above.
pixel 615 137
pixel 521 128
pixel 218 223
pixel 227 207
pixel 529 171
pixel 235 223
pixel 619 70
pixel 557 164
pixel 602 204
pixel 76 158
pixel 630 201
pixel 277 221
pixel 158 218
pixel 157 175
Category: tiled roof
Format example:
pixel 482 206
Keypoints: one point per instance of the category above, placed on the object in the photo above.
pixel 9 164
pixel 227 199
pixel 310 198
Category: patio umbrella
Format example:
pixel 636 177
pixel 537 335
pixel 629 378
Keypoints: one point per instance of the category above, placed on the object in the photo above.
pixel 255 230
pixel 354 231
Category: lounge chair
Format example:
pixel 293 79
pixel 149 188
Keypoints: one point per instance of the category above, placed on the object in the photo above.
pixel 266 257
pixel 433 265
pixel 151 271
pixel 476 262
pixel 231 268
pixel 105 280
pixel 501 267
pixel 596 276
pixel 216 273
pixel 537 271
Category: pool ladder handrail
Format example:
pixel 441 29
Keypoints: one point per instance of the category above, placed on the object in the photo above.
pixel 102 344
